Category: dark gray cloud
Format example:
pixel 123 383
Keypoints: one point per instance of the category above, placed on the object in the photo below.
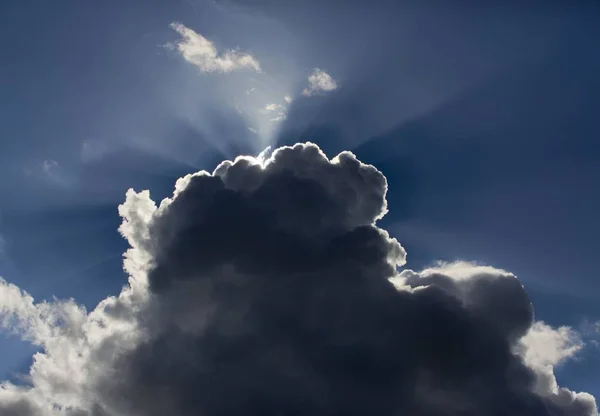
pixel 267 289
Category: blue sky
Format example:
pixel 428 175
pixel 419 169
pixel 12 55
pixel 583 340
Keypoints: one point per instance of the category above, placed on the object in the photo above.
pixel 483 119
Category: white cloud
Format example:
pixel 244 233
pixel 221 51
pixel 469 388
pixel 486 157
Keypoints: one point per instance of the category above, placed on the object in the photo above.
pixel 319 82
pixel 281 111
pixel 288 99
pixel 461 270
pixel 273 107
pixel 543 348
pixel 279 117
pixel 545 345
pixel 201 52
pixel 251 91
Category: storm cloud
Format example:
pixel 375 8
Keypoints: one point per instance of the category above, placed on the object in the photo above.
pixel 267 288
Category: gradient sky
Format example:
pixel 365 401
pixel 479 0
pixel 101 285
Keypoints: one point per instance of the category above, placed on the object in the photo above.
pixel 483 118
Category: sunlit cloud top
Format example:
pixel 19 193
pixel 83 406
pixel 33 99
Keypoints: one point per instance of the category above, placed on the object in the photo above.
pixel 201 52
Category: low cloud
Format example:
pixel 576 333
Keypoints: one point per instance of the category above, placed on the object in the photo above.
pixel 319 82
pixel 267 287
pixel 202 53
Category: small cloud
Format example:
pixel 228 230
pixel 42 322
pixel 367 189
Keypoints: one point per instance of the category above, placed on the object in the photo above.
pixel 56 174
pixel 92 150
pixel 251 91
pixel 50 166
pixel 51 170
pixel 252 130
pixel 279 117
pixel 201 52
pixel 590 329
pixel 319 82
pixel 272 107
pixel 288 99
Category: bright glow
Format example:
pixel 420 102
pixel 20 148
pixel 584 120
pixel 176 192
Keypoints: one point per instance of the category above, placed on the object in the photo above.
pixel 263 108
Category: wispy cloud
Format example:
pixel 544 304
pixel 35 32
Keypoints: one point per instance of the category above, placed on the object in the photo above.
pixel 319 82
pixel 57 174
pixel 279 117
pixel 49 166
pixel 203 53
pixel 281 109
pixel 92 150
pixel 273 107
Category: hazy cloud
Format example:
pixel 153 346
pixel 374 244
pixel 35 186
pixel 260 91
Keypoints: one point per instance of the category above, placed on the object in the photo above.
pixel 281 111
pixel 56 174
pixel 201 52
pixel 319 82
pixel 273 107
pixel 267 288
pixel 50 166
pixel 93 150
pixel 279 117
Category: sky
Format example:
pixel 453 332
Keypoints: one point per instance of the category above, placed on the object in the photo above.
pixel 482 118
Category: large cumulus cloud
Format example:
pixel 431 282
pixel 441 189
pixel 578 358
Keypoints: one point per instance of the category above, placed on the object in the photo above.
pixel 267 288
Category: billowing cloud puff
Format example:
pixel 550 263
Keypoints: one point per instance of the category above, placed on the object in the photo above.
pixel 267 288
pixel 201 52
pixel 319 82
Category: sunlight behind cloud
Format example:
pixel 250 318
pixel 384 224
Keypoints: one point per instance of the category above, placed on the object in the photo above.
pixel 263 110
